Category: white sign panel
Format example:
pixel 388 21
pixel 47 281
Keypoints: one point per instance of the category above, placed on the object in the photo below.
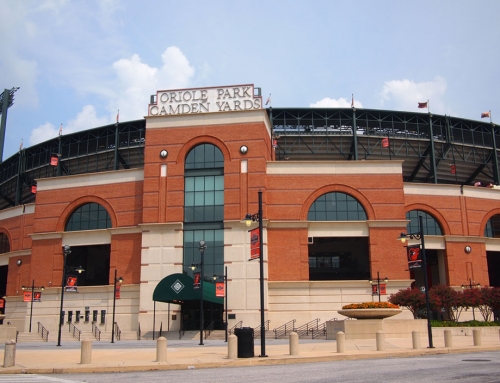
pixel 205 100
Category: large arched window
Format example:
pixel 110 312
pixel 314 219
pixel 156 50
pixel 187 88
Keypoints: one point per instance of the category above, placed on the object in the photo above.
pixel 492 228
pixel 336 207
pixel 4 244
pixel 204 209
pixel 430 225
pixel 90 216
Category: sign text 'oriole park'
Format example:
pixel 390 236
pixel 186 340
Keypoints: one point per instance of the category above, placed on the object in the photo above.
pixel 205 100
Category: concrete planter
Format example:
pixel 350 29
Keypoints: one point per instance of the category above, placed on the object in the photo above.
pixel 369 313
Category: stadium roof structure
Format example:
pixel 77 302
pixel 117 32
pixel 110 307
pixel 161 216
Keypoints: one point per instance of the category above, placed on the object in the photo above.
pixel 433 148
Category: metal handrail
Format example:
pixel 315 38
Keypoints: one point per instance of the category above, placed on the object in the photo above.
pixel 305 329
pixel 96 332
pixel 256 332
pixel 209 329
pixel 44 333
pixel 117 331
pixel 283 329
pixel 74 331
pixel 138 330
pixel 321 330
pixel 237 325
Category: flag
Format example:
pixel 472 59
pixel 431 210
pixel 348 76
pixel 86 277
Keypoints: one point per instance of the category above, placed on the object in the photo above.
pixel 118 116
pixel 485 114
pixel 255 243
pixel 385 142
pixel 268 99
pixel 60 129
pixel 414 256
pixel 352 101
pixel 21 145
pixel 453 168
pixel 422 104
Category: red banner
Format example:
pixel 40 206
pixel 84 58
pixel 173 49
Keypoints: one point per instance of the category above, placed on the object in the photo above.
pixel 71 284
pixel 255 243
pixel 414 257
pixel 197 280
pixel 117 293
pixel 385 142
pixel 27 296
pixel 54 160
pixel 383 290
pixel 219 289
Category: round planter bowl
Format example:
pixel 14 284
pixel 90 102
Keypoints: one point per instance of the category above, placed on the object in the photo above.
pixel 370 313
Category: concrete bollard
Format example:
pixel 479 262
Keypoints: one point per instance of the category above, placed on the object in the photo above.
pixel 415 336
pixel 294 343
pixel 161 349
pixel 448 339
pixel 85 351
pixel 340 342
pixel 9 356
pixel 476 335
pixel 232 347
pixel 380 340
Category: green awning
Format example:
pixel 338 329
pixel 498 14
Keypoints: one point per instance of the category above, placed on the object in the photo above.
pixel 177 288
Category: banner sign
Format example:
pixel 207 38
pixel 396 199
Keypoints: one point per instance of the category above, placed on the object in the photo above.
pixel 71 284
pixel 37 296
pixel 414 257
pixel 374 290
pixel 219 289
pixel 385 142
pixel 254 243
pixel 54 160
pixel 197 280
pixel 383 290
pixel 27 296
pixel 117 293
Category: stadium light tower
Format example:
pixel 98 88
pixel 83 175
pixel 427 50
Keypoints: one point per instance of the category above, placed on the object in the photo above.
pixel 6 101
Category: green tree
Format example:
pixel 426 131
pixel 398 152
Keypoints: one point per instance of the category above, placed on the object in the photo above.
pixel 445 298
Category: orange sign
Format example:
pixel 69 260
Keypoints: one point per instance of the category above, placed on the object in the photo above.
pixel 219 289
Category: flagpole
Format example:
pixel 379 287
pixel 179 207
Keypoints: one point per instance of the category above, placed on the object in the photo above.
pixel 491 120
pixel 428 106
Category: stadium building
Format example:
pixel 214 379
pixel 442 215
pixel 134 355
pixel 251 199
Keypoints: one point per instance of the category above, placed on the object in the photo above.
pixel 331 188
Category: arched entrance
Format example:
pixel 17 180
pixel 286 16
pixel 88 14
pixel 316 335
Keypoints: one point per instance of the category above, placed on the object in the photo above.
pixel 179 289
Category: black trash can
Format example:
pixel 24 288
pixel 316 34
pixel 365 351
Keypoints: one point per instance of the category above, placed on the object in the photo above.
pixel 245 342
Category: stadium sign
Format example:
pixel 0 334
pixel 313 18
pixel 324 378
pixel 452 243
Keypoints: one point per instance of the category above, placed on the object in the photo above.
pixel 204 100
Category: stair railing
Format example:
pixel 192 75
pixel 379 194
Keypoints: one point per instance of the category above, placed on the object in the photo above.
pixel 256 333
pixel 96 332
pixel 305 329
pixel 74 331
pixel 284 329
pixel 209 329
pixel 44 333
pixel 117 331
pixel 237 325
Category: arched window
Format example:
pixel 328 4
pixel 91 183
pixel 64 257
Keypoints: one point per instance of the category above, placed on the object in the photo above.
pixel 492 229
pixel 4 244
pixel 204 209
pixel 430 225
pixel 336 206
pixel 90 216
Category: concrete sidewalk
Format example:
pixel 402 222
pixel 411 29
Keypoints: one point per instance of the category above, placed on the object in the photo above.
pixel 189 354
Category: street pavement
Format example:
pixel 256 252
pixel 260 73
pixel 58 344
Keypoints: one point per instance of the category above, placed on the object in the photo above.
pixel 125 356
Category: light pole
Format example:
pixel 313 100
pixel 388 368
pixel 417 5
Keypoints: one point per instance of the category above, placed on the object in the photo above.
pixel 377 282
pixel 471 286
pixel 420 236
pixel 249 219
pixel 120 280
pixel 32 288
pixel 225 298
pixel 66 252
pixel 202 248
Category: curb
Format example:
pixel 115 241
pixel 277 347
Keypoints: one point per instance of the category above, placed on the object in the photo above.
pixel 164 366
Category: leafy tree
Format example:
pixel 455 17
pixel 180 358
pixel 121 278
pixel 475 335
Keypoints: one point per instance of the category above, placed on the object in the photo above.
pixel 472 298
pixel 412 299
pixel 445 298
pixel 490 301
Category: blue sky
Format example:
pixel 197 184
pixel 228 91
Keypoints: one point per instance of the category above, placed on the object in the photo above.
pixel 78 62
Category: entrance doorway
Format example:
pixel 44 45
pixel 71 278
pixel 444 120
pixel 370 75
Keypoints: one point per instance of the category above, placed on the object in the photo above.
pixel 212 312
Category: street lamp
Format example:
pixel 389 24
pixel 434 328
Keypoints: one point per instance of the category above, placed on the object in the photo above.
pixel 224 278
pixel 377 282
pixel 202 248
pixel 117 280
pixel 32 288
pixel 248 220
pixel 79 269
pixel 471 286
pixel 420 236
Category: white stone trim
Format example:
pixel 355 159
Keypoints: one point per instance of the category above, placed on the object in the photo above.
pixel 337 167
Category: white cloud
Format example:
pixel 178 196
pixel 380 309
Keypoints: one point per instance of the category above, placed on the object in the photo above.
pixel 86 119
pixel 332 103
pixel 406 94
pixel 137 81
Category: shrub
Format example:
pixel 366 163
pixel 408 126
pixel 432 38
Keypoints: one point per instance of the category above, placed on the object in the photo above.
pixel 412 299
pixel 370 305
pixel 445 298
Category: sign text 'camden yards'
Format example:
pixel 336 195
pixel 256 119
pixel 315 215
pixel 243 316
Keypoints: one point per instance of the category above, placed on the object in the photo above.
pixel 205 100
